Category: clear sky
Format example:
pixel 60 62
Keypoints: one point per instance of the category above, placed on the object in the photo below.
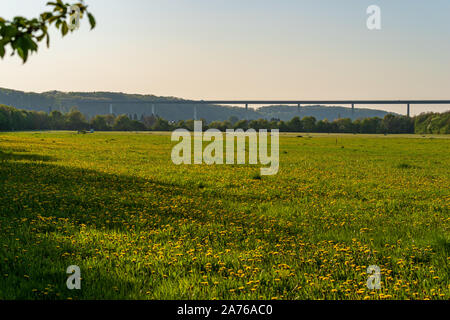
pixel 245 49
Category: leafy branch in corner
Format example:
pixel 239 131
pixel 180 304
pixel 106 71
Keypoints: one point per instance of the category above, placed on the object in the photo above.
pixel 23 35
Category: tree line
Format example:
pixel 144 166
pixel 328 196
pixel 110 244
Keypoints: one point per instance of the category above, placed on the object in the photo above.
pixel 12 119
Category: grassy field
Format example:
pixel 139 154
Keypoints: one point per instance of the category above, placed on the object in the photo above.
pixel 140 227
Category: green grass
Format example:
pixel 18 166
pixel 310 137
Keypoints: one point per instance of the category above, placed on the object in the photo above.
pixel 141 227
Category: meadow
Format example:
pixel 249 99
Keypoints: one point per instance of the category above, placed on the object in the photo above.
pixel 140 227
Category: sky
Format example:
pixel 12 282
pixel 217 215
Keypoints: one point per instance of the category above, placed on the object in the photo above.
pixel 245 49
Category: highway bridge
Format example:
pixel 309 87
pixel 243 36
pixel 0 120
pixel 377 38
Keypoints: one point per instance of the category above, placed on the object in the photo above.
pixel 246 103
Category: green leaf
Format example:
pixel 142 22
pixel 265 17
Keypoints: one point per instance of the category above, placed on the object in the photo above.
pixel 92 21
pixel 23 53
pixel 30 44
pixel 22 43
pixel 9 31
pixel 46 16
pixel 52 19
pixel 2 51
pixel 64 28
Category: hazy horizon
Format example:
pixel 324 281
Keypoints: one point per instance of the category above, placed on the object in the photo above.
pixel 217 49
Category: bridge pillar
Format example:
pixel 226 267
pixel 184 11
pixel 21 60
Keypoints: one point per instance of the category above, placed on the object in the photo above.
pixel 195 112
pixel 246 112
pixel 110 108
pixel 298 107
pixel 408 111
pixel 353 109
pixel 153 109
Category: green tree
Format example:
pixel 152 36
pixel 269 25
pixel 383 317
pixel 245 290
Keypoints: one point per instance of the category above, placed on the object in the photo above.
pixel 76 120
pixel 309 124
pixel 23 35
pixel 57 120
pixel 100 123
pixel 295 125
pixel 371 125
pixel 39 120
pixel 344 125
pixel 123 123
pixel 163 125
pixel 282 126
pixel 253 124
pixel 241 124
pixel 221 125
pixel 137 126
pixel 323 126
pixel 149 121
pixel 398 124
pixel 5 118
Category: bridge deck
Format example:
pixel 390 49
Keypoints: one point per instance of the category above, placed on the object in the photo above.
pixel 296 102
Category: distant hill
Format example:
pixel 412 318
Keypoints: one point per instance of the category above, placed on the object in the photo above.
pixel 64 101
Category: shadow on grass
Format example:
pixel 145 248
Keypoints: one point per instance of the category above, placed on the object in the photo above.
pixel 9 156
pixel 45 207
